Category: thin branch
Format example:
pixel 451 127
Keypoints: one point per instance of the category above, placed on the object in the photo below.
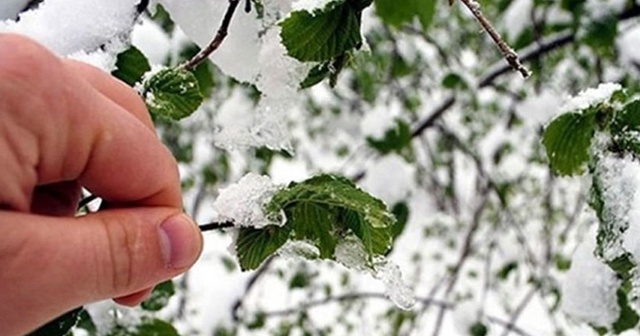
pixel 351 297
pixel 426 301
pixel 467 248
pixel 216 226
pixel 235 309
pixel 509 327
pixel 222 33
pixel 507 52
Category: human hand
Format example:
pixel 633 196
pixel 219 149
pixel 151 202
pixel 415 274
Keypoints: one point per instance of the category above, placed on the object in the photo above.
pixel 65 125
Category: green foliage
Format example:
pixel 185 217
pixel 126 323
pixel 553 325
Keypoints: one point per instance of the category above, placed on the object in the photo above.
pixel 172 93
pixel 396 14
pixel 321 211
pixel 395 139
pixel 253 246
pixel 401 212
pixel 567 140
pixel 478 329
pixel 628 318
pixel 601 36
pixel 131 65
pixel 323 35
pixel 159 297
pixel 148 327
pixel 59 326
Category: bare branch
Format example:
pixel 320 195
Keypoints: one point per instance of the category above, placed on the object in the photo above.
pixel 426 301
pixel 215 226
pixel 222 33
pixel 507 52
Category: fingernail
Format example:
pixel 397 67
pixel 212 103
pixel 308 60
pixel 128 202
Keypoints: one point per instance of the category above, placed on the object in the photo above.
pixel 180 240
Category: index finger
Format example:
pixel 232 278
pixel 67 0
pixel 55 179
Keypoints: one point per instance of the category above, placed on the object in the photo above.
pixel 56 126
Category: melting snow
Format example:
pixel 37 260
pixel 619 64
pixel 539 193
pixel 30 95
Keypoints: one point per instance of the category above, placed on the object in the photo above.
pixel 591 97
pixel 243 202
pixel 591 299
pixel 351 253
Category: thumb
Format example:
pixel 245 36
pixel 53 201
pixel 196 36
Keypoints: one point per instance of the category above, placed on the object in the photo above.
pixel 53 264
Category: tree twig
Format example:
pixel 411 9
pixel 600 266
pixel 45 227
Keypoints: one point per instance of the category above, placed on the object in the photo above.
pixel 222 33
pixel 507 52
pixel 426 301
pixel 215 226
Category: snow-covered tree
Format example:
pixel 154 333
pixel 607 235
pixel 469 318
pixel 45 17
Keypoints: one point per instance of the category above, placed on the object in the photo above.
pixel 381 167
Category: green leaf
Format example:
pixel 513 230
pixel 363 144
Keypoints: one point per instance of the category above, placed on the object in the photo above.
pixel 322 208
pixel 507 269
pixel 155 327
pixel 454 81
pixel 253 246
pixel 601 36
pixel 314 222
pixel 628 119
pixel 322 35
pixel 300 279
pixel 59 326
pixel 628 318
pixel 625 128
pixel 172 93
pixel 86 322
pixel 159 297
pixel 394 140
pixel 131 65
pixel 395 14
pixel 376 240
pixel 567 140
pixel 401 213
pixel 316 75
pixel 478 329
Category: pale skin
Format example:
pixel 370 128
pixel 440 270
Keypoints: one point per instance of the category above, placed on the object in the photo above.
pixel 66 125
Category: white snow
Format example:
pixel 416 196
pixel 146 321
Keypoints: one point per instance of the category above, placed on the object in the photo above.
pixel 10 8
pixel 310 5
pixel 243 202
pixel 465 315
pixel 627 43
pixel 154 43
pixel 251 53
pixel 70 27
pixel 591 97
pixel 351 253
pixel 107 314
pixel 620 178
pixel 396 187
pixel 518 17
pixel 598 9
pixel 238 56
pixel 380 119
pixel 589 289
pixel 296 249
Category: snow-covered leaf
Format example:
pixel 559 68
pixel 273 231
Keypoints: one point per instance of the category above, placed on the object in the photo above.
pixel 567 140
pixel 328 198
pixel 322 35
pixel 172 93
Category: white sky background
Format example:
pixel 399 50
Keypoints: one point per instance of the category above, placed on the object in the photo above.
pixel 212 288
